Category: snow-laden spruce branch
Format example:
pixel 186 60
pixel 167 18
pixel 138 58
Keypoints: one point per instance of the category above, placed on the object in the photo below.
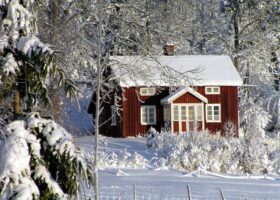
pixel 39 160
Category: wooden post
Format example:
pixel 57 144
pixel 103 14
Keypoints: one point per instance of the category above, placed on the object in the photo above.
pixel 189 192
pixel 134 192
pixel 17 103
pixel 222 194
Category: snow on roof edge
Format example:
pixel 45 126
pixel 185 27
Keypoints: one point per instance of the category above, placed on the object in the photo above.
pixel 220 70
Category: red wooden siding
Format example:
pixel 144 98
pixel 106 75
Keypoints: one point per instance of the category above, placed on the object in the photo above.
pixel 187 98
pixel 129 123
pixel 131 111
pixel 228 98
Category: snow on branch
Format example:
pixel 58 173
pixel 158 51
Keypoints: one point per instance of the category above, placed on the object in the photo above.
pixel 39 159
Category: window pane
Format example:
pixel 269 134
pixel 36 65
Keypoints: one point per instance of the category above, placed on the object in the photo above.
pixel 144 115
pixel 152 120
pixel 209 90
pixel 166 112
pixel 191 113
pixel 216 90
pixel 209 113
pixel 199 113
pixel 151 91
pixel 216 110
pixel 151 115
pixel 216 118
pixel 147 91
pixel 183 113
pixel 176 113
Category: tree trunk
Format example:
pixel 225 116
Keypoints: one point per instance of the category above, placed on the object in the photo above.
pixel 17 103
pixel 274 60
pixel 97 108
pixel 236 37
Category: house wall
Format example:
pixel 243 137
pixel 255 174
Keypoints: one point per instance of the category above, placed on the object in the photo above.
pixel 228 98
pixel 132 102
pixel 129 121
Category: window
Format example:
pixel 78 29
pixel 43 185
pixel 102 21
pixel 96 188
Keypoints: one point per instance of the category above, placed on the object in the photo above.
pixel 147 91
pixel 148 115
pixel 176 113
pixel 191 113
pixel 212 90
pixel 199 113
pixel 113 116
pixel 166 113
pixel 187 112
pixel 183 113
pixel 213 112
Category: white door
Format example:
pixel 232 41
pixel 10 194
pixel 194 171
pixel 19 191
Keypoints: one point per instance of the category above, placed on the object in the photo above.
pixel 189 116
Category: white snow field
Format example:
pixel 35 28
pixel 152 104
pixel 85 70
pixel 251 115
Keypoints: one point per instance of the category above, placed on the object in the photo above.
pixel 125 174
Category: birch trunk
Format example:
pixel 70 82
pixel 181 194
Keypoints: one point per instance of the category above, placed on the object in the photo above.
pixel 97 108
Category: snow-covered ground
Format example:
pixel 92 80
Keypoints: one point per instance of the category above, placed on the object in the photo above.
pixel 124 179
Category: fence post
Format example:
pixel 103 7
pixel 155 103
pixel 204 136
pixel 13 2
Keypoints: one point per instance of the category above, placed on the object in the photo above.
pixel 189 192
pixel 134 192
pixel 222 194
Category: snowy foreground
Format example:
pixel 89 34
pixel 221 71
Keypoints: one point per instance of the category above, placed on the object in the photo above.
pixel 128 170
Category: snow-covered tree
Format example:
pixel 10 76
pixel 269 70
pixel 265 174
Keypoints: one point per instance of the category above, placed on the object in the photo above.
pixel 38 160
pixel 27 64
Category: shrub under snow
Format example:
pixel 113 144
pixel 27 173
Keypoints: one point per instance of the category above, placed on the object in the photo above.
pixel 215 153
pixel 39 160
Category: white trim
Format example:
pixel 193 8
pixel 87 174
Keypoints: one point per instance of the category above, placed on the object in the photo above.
pixel 220 116
pixel 203 117
pixel 113 115
pixel 171 120
pixel 155 115
pixel 212 90
pixel 170 98
pixel 187 120
pixel 149 93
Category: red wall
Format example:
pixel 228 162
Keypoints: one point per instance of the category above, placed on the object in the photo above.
pixel 131 124
pixel 228 98
pixel 131 111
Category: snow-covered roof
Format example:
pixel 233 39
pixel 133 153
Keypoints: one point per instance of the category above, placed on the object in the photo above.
pixel 168 99
pixel 197 70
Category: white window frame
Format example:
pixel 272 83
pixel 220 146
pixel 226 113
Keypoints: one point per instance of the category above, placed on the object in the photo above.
pixel 212 90
pixel 147 115
pixel 213 116
pixel 151 91
pixel 194 105
pixel 113 116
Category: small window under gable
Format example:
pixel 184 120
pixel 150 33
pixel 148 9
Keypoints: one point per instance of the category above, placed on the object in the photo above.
pixel 147 91
pixel 212 90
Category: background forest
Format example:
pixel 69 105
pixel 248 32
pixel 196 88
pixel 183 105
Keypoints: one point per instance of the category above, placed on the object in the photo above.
pixel 50 50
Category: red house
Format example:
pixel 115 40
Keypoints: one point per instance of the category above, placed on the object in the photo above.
pixel 178 92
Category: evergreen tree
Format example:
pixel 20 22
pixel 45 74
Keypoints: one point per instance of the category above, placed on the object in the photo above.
pixel 27 64
pixel 38 159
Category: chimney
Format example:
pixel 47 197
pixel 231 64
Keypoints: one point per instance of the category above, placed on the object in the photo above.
pixel 169 49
